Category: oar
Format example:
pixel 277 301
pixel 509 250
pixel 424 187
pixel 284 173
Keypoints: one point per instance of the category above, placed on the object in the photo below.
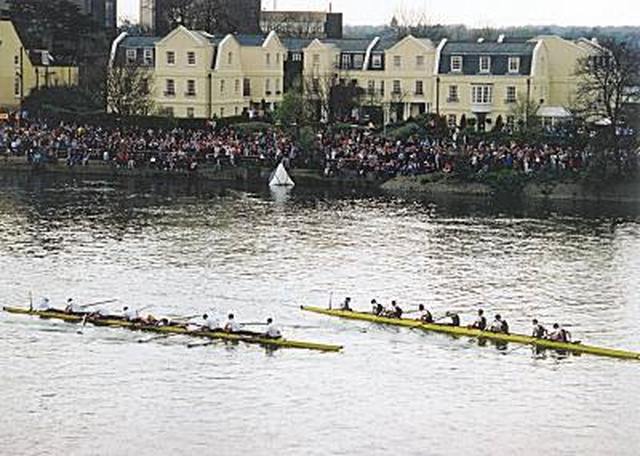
pixel 163 336
pixel 93 304
pixel 30 302
pixel 254 324
pixel 330 299
pixel 206 344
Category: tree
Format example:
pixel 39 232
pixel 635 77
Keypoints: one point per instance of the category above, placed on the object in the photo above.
pixel 525 113
pixel 129 91
pixel 213 16
pixel 609 80
pixel 294 109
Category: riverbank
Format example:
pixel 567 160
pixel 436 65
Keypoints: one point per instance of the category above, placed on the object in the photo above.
pixel 623 192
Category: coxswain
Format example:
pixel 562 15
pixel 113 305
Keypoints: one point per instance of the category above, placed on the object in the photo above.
pixel 539 331
pixel 425 315
pixel 231 326
pixel 395 311
pixel 376 308
pixel 44 305
pixel 481 321
pixel 559 334
pixel 130 314
pixel 346 305
pixel 272 332
pixel 499 325
pixel 455 319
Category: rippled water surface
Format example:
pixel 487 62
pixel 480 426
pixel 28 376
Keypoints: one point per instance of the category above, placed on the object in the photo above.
pixel 392 391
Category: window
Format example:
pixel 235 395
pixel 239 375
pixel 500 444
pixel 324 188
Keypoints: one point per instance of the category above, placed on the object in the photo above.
pixel 358 61
pixel 236 87
pixel 190 113
pixel 131 56
pixel 268 58
pixel 456 64
pixel 171 58
pixel 267 87
pixel 419 88
pixel 514 64
pixel 397 87
pixel 148 56
pixel 222 85
pixel 371 87
pixel 382 88
pixel 452 121
pixel 511 122
pixel 236 111
pixel 397 61
pixel 16 60
pixel 315 85
pixel 420 61
pixel 191 88
pixel 296 57
pixel 485 64
pixel 16 86
pixel 278 58
pixel 168 111
pixel 376 61
pixel 316 59
pixel 246 87
pixel 346 61
pixel 170 88
pixel 191 58
pixel 511 94
pixel 221 112
pixel 230 58
pixel 277 86
pixel 482 94
pixel 453 94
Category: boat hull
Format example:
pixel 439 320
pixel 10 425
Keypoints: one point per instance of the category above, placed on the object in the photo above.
pixel 178 330
pixel 463 331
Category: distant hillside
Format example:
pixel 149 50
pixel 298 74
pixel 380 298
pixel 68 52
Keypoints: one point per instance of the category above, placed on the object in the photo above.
pixel 461 32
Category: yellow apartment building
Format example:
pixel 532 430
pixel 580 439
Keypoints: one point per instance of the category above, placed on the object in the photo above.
pixel 22 70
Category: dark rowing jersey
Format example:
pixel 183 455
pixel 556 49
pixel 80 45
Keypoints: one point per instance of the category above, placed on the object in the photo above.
pixel 480 323
pixel 539 332
pixel 505 327
pixel 455 319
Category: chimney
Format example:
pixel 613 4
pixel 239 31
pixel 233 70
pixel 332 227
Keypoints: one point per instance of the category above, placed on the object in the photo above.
pixel 480 40
pixel 501 38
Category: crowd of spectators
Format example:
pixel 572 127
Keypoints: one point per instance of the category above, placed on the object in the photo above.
pixel 351 153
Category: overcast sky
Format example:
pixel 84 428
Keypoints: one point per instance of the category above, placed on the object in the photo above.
pixel 469 12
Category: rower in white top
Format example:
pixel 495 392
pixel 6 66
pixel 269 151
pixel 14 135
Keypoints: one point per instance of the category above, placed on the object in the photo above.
pixel 130 314
pixel 232 326
pixel 44 305
pixel 210 323
pixel 73 308
pixel 272 332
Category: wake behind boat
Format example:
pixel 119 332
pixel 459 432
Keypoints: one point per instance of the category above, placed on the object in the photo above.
pixel 475 333
pixel 166 327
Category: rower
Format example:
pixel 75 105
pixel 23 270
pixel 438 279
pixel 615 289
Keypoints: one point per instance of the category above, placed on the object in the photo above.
pixel 499 325
pixel 376 308
pixel 272 332
pixel 425 315
pixel 210 324
pixel 130 314
pixel 44 305
pixel 73 308
pixel 395 311
pixel 455 319
pixel 559 334
pixel 539 331
pixel 232 325
pixel 481 321
pixel 346 307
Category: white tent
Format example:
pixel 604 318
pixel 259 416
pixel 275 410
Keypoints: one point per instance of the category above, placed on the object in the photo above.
pixel 280 178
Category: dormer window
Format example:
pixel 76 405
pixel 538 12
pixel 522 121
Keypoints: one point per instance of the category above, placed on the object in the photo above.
pixel 376 61
pixel 346 61
pixel 514 64
pixel 485 64
pixel 131 56
pixel 456 64
pixel 148 56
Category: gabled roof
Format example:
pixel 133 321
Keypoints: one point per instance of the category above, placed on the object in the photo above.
pixel 250 40
pixel 350 45
pixel 296 44
pixel 489 47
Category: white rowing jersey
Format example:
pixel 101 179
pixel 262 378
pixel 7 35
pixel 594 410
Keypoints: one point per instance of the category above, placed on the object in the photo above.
pixel 211 324
pixel 44 305
pixel 232 326
pixel 130 314
pixel 273 331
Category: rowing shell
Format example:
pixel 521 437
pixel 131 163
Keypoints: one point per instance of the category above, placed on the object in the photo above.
pixel 177 330
pixel 462 331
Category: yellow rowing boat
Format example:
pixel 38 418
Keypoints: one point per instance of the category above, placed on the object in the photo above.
pixel 177 330
pixel 463 331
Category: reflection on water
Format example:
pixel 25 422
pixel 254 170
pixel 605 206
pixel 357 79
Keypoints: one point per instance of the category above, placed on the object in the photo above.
pixel 185 249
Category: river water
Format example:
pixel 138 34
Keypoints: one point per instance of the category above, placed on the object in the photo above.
pixel 183 250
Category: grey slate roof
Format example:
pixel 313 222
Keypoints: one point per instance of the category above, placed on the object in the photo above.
pixel 489 47
pixel 350 45
pixel 140 41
